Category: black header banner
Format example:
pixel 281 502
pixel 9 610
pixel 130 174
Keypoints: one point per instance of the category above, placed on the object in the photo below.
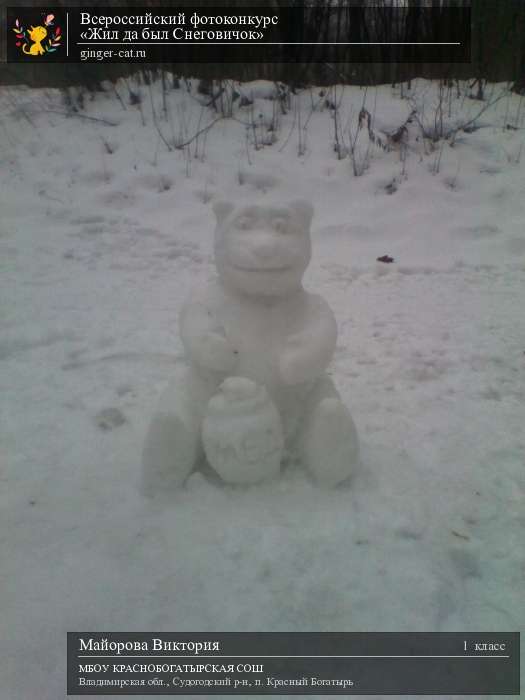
pixel 294 663
pixel 185 34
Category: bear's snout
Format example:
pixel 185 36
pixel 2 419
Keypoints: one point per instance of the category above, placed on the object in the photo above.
pixel 266 247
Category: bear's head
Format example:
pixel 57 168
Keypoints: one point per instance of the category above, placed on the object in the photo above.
pixel 263 250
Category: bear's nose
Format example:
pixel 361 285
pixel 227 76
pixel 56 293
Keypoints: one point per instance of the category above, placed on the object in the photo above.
pixel 265 248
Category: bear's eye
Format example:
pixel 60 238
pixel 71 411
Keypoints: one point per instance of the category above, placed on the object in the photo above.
pixel 279 225
pixel 243 223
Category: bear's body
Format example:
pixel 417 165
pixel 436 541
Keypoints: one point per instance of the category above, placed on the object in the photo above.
pixel 258 333
pixel 256 323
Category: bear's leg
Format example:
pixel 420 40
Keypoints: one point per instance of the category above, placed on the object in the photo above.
pixel 173 446
pixel 328 443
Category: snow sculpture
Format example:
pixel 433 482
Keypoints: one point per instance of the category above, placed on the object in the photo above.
pixel 258 346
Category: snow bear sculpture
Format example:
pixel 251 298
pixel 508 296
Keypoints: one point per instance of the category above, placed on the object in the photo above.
pixel 258 347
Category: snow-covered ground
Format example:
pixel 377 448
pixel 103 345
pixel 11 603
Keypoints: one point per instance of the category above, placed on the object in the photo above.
pixel 103 231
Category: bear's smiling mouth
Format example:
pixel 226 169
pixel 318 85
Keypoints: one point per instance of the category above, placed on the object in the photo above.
pixel 259 268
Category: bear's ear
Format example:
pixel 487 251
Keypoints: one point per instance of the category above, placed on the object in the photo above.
pixel 222 209
pixel 304 211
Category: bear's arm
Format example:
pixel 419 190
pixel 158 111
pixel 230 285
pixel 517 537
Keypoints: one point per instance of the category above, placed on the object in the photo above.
pixel 311 346
pixel 204 339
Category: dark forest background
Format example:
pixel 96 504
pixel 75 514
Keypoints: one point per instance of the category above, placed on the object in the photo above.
pixel 498 51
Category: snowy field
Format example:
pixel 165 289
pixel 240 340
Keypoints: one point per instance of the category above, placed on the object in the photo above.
pixel 105 226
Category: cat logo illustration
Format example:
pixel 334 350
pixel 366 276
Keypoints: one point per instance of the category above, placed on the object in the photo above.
pixel 40 40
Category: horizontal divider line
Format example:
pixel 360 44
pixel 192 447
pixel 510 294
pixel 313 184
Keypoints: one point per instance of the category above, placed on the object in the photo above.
pixel 269 43
pixel 278 656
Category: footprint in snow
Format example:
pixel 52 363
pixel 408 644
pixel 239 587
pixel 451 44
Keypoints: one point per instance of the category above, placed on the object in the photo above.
pixel 110 418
